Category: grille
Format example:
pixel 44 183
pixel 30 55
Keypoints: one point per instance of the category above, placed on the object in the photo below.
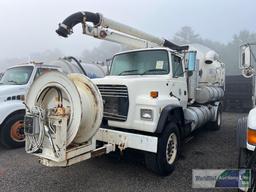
pixel 115 101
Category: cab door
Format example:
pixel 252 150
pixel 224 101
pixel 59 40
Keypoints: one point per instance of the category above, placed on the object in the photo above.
pixel 178 80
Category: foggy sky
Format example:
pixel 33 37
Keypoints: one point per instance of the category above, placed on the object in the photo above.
pixel 28 26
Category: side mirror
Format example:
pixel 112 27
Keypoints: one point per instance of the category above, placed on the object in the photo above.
pixel 245 56
pixel 245 61
pixel 191 60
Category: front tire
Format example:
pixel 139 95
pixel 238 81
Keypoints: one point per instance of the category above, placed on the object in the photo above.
pixel 163 162
pixel 243 159
pixel 243 163
pixel 12 132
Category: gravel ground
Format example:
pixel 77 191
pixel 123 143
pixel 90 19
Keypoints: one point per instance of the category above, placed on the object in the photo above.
pixel 207 150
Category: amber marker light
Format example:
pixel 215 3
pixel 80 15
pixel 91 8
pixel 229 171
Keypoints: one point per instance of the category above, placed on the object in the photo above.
pixel 251 136
pixel 154 94
pixel 22 97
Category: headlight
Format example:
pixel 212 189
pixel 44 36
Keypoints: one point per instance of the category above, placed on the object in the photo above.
pixel 251 136
pixel 146 114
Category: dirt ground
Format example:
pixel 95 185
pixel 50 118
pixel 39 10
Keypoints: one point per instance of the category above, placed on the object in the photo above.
pixel 207 150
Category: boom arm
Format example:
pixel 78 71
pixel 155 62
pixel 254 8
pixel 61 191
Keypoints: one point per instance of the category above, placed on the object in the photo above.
pixel 104 28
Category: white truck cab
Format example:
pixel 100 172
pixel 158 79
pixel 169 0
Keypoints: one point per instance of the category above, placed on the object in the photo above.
pixel 134 77
pixel 246 128
pixel 247 125
pixel 13 88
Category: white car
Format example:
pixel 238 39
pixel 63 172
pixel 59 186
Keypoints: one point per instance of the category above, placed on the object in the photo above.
pixel 13 87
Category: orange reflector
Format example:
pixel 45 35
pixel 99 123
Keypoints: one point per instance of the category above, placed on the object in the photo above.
pixel 22 97
pixel 251 136
pixel 154 94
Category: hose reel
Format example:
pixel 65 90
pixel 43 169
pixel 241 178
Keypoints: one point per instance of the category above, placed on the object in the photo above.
pixel 74 97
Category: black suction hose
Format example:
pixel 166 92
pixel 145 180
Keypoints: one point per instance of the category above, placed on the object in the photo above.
pixel 78 63
pixel 65 28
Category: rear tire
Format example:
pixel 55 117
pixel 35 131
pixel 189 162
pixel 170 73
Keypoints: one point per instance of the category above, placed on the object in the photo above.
pixel 216 125
pixel 12 131
pixel 163 162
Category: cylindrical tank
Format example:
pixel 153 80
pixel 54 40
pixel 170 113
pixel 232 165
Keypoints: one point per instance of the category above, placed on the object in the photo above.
pixel 211 69
pixel 95 70
pixel 75 96
pixel 198 116
pixel 207 94
pixel 69 65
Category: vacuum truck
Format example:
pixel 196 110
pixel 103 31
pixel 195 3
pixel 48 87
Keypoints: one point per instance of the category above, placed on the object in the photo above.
pixel 156 95
pixel 246 129
pixel 13 88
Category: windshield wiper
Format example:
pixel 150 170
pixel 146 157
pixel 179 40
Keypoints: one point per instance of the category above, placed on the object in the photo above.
pixel 128 71
pixel 152 70
pixel 12 81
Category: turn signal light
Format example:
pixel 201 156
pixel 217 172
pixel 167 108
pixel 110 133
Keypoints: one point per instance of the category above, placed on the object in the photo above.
pixel 154 94
pixel 251 136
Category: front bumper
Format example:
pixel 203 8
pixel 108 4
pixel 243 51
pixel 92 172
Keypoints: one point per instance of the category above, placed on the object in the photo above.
pixel 250 147
pixel 127 140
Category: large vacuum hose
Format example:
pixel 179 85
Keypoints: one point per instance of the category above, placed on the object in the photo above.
pixel 65 28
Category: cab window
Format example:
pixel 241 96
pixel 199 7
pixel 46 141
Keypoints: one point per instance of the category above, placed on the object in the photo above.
pixel 41 71
pixel 17 75
pixel 146 62
pixel 177 68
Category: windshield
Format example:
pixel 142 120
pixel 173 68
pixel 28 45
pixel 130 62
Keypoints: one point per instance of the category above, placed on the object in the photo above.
pixel 17 76
pixel 150 62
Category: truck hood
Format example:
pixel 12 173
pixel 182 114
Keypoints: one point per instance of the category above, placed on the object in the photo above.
pixel 11 90
pixel 139 97
pixel 138 83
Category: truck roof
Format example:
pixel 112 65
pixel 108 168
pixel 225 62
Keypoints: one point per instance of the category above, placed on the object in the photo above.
pixel 35 65
pixel 145 49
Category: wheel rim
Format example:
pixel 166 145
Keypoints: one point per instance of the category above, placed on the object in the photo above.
pixel 17 131
pixel 171 149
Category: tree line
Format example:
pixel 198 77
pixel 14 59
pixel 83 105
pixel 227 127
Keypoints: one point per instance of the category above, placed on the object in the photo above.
pixel 229 52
